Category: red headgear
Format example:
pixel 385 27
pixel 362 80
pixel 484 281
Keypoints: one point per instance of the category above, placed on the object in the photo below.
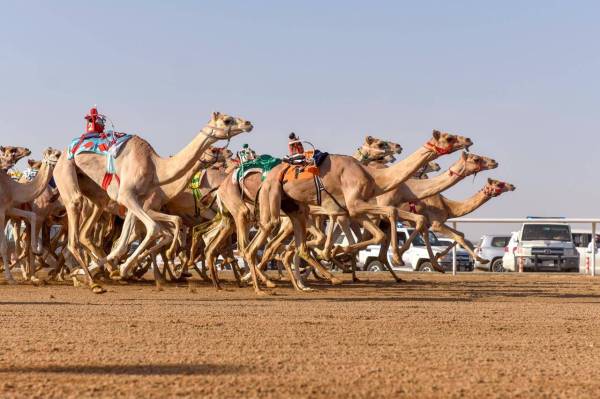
pixel 95 122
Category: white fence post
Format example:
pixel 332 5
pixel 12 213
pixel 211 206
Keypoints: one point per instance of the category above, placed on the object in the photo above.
pixel 454 253
pixel 593 261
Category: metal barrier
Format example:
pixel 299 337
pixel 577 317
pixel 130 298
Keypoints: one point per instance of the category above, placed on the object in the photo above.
pixel 593 222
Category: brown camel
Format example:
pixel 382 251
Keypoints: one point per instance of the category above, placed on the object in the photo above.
pixel 238 201
pixel 437 209
pixel 349 187
pixel 9 156
pixel 415 189
pixel 140 170
pixel 410 190
pixel 12 194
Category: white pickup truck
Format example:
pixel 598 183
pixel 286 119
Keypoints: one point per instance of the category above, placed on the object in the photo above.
pixel 542 247
pixel 416 257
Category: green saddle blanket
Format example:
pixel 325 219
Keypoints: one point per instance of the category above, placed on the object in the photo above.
pixel 264 163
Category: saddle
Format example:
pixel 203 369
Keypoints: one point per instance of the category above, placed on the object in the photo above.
pixel 262 164
pixel 310 170
pixel 107 144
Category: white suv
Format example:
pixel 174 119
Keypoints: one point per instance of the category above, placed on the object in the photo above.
pixel 542 247
pixel 416 257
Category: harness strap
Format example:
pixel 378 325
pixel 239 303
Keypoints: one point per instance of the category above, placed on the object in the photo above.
pixel 437 149
pixel 413 207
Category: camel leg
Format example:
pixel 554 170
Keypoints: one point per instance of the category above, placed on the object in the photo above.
pixel 419 221
pixel 433 258
pixel 4 249
pixel 299 222
pixel 172 219
pixel 459 237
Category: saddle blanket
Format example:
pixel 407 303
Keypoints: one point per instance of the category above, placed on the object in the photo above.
pixel 303 172
pixel 263 164
pixel 98 143
pixel 107 144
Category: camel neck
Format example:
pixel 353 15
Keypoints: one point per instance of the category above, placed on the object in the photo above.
pixel 423 188
pixel 172 168
pixel 387 179
pixel 25 192
pixel 461 208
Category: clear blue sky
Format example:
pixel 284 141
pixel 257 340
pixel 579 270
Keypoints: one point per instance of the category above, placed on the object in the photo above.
pixel 519 78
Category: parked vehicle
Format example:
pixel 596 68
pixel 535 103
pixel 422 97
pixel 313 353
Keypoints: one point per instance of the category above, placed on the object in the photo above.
pixel 491 247
pixel 462 256
pixel 582 240
pixel 542 247
pixel 508 259
pixel 416 258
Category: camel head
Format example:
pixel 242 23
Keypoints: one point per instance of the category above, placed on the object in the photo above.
pixel 33 164
pixel 9 156
pixel 50 156
pixel 446 143
pixel 429 167
pixel 374 149
pixel 494 188
pixel 469 164
pixel 223 126
pixel 213 155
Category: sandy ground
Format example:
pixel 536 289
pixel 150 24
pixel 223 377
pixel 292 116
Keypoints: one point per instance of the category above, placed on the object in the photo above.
pixel 474 335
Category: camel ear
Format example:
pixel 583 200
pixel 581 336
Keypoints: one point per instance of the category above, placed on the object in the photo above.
pixel 490 181
pixel 464 155
pixel 369 139
pixel 31 162
pixel 215 115
pixel 436 134
pixel 2 149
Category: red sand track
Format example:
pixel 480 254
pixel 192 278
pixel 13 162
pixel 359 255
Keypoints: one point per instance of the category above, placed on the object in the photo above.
pixel 475 335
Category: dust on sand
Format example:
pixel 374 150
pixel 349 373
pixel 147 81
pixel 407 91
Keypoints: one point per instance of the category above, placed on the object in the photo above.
pixel 473 335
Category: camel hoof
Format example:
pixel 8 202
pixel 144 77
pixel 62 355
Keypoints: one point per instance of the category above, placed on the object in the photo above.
pixel 307 289
pixel 97 289
pixel 261 292
pixel 356 280
pixel 270 284
pixel 336 281
pixel 397 261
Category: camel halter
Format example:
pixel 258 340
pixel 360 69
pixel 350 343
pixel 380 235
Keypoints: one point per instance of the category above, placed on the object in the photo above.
pixel 365 157
pixel 214 129
pixel 462 173
pixel 489 191
pixel 431 146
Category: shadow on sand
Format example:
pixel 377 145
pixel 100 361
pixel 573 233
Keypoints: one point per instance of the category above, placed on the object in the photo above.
pixel 137 369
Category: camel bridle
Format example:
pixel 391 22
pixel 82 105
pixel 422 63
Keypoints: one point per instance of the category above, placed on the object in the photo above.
pixel 463 173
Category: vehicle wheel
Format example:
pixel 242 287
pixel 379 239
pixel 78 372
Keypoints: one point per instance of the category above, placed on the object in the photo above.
pixel 426 267
pixel 496 266
pixel 375 266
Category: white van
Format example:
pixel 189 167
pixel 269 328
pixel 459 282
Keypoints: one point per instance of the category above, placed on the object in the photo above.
pixel 582 239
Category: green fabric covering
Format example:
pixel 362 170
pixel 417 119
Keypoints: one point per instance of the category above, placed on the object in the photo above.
pixel 263 162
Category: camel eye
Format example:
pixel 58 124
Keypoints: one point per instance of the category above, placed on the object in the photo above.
pixel 228 121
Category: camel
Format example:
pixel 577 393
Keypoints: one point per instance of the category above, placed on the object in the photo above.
pixel 238 202
pixel 9 156
pixel 437 209
pixel 411 190
pixel 349 187
pixel 12 194
pixel 140 170
pixel 415 189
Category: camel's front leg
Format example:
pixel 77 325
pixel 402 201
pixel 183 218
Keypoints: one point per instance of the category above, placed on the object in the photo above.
pixel 460 239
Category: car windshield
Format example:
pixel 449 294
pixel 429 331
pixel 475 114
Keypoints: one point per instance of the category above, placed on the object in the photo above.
pixel 433 240
pixel 548 232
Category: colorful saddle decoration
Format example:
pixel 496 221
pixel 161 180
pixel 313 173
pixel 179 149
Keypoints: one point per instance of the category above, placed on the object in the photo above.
pixel 107 144
pixel 263 164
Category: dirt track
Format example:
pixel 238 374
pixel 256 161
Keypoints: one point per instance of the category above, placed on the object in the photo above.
pixel 433 336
